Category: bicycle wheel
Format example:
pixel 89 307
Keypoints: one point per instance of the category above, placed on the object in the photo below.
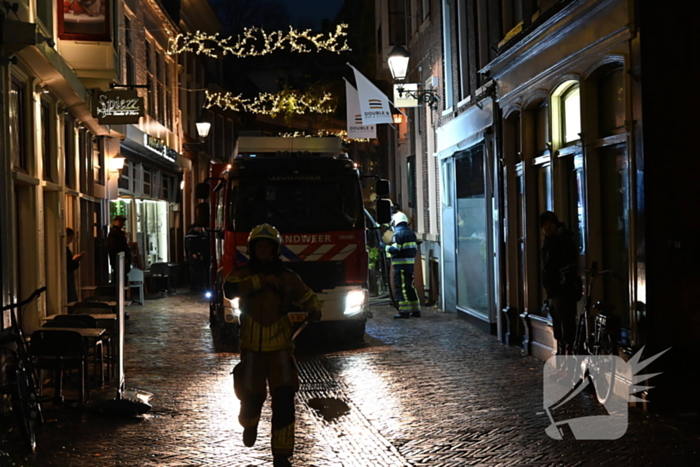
pixel 26 408
pixel 580 339
pixel 603 367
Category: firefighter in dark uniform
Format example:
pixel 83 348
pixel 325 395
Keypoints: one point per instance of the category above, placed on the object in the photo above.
pixel 197 246
pixel 265 289
pixel 403 250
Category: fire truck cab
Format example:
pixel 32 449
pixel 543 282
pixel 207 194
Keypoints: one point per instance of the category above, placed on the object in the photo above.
pixel 310 191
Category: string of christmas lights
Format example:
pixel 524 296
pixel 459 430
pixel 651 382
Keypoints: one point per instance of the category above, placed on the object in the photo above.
pixel 342 134
pixel 256 42
pixel 287 102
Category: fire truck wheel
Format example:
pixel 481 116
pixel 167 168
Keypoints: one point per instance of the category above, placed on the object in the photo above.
pixel 215 315
pixel 355 330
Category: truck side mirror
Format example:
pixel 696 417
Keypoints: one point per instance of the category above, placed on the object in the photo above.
pixel 201 191
pixel 382 188
pixel 201 214
pixel 383 211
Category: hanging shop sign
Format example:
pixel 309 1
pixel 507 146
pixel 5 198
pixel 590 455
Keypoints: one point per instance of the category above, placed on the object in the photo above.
pixel 159 147
pixel 404 99
pixel 117 107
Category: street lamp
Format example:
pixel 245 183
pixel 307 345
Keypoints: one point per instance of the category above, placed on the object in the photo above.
pixel 398 64
pixel 203 125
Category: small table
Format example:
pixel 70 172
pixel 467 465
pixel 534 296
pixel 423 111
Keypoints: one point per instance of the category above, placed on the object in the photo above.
pixel 88 335
pixel 107 320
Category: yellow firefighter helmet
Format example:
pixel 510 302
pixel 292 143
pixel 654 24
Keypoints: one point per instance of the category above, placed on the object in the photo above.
pixel 265 231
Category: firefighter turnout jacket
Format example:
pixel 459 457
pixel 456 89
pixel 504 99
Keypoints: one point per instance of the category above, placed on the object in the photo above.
pixel 403 248
pixel 265 297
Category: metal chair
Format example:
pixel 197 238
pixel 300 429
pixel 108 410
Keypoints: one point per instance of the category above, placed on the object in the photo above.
pixel 85 321
pixel 162 271
pixel 136 281
pixel 60 351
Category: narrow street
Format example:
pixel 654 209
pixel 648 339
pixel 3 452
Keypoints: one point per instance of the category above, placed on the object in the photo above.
pixel 431 392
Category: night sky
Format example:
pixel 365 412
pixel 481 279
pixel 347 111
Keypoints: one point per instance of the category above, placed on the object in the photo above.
pixel 314 11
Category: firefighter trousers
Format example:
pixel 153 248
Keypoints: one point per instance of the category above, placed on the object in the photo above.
pixel 251 377
pixel 406 295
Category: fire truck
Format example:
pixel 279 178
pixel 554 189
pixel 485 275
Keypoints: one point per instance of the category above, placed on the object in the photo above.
pixel 310 190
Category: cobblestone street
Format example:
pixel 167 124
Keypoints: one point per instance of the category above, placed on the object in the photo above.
pixel 433 391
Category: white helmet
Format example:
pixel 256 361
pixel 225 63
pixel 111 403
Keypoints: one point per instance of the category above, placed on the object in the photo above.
pixel 399 218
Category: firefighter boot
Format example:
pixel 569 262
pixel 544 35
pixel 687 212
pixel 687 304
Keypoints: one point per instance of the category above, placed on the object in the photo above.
pixel 250 434
pixel 280 460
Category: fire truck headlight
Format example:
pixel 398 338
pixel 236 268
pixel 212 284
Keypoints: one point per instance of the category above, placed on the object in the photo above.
pixel 235 304
pixel 207 294
pixel 354 302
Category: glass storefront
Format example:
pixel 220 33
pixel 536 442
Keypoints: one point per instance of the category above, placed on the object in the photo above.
pixel 472 230
pixel 149 220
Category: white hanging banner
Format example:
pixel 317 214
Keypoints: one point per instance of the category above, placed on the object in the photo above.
pixel 354 117
pixel 374 105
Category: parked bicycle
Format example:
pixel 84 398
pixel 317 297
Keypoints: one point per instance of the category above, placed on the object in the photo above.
pixel 20 384
pixel 596 336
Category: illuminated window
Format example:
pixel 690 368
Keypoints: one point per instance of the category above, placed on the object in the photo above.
pixel 571 114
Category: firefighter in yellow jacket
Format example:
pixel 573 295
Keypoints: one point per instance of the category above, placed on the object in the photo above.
pixel 265 289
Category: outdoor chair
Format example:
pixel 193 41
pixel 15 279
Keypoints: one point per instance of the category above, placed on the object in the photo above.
pixel 162 271
pixel 136 281
pixel 59 351
pixel 85 321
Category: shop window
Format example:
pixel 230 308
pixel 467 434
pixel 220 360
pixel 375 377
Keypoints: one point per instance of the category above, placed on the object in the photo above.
pixel 69 151
pixel 571 115
pixel 17 116
pixel 577 186
pixel 611 103
pixel 44 11
pixel 130 73
pixel 542 129
pixel 447 52
pixel 472 232
pixel 98 170
pixel 84 158
pixel 411 174
pixel 545 198
pixel 47 131
pixel 465 59
pixel 151 96
pixel 397 22
pixel 150 91
pixel 126 176
pixel 160 92
pixel 146 182
pixel 168 97
pixel 512 14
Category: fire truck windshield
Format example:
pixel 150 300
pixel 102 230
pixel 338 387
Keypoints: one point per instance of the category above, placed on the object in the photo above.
pixel 314 204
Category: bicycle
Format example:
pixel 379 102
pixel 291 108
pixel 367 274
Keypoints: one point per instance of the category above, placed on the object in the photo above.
pixel 597 340
pixel 21 384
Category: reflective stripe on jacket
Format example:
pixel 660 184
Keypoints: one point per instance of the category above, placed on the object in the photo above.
pixel 404 246
pixel 265 325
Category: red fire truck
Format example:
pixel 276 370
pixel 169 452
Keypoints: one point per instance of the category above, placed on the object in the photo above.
pixel 310 191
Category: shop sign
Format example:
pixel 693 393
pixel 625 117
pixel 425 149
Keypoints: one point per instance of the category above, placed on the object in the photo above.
pixel 159 147
pixel 405 100
pixel 117 107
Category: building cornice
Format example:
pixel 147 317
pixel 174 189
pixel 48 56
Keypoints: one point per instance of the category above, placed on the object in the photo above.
pixel 543 36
